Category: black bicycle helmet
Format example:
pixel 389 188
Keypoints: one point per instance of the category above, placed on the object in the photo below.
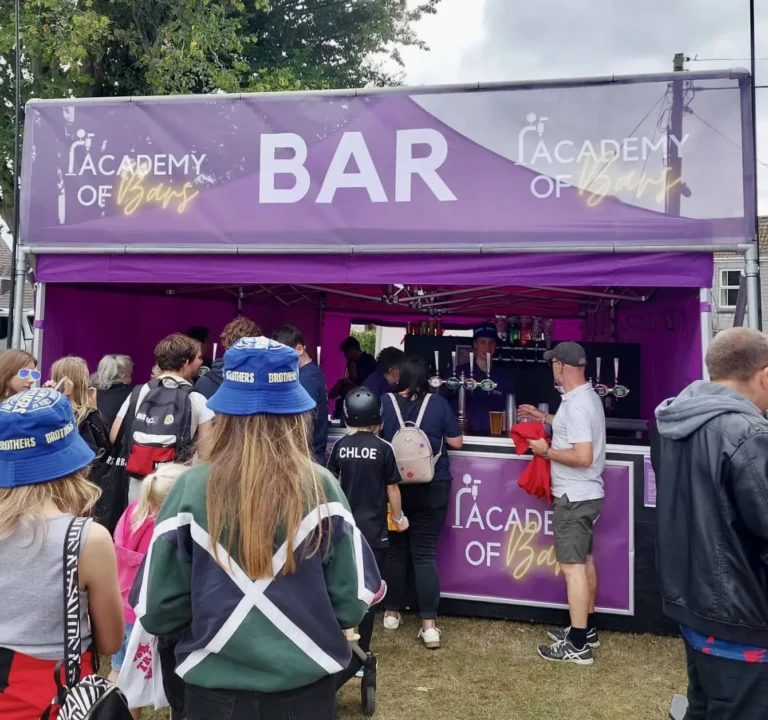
pixel 362 408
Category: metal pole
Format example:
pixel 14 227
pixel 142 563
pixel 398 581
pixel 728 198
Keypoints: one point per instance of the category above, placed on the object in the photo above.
pixel 753 287
pixel 675 130
pixel 705 313
pixel 16 166
pixel 753 70
pixel 38 333
pixel 18 297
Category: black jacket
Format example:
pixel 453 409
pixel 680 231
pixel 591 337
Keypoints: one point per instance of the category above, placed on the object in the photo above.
pixel 208 384
pixel 710 455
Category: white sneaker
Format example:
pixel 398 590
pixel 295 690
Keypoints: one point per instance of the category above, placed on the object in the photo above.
pixel 392 622
pixel 430 637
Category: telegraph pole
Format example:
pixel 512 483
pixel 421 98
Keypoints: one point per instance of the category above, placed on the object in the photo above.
pixel 675 130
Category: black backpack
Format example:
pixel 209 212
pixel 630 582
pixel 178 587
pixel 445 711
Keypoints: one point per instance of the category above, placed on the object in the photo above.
pixel 80 698
pixel 162 428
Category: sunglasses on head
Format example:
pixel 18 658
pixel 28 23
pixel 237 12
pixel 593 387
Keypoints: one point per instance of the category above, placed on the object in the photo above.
pixel 26 374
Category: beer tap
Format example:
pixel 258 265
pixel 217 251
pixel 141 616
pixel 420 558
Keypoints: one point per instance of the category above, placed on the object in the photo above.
pixel 486 383
pixel 436 381
pixel 462 409
pixel 600 389
pixel 619 391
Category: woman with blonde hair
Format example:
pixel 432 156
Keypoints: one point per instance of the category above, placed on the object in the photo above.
pixel 18 371
pixel 132 537
pixel 73 373
pixel 256 558
pixel 42 489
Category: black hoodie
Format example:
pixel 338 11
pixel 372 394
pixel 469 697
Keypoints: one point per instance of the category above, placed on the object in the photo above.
pixel 209 383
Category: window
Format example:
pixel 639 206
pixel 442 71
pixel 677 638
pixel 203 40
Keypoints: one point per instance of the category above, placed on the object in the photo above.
pixel 729 288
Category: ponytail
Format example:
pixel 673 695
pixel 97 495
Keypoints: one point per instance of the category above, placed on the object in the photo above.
pixel 154 490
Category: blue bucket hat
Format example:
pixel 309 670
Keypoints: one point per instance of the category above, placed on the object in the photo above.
pixel 39 439
pixel 261 377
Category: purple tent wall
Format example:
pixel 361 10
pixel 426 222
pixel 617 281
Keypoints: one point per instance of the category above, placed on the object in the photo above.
pixel 668 330
pixel 91 322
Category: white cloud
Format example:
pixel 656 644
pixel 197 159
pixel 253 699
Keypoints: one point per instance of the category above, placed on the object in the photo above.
pixel 499 40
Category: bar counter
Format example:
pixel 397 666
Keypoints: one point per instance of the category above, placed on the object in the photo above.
pixel 496 554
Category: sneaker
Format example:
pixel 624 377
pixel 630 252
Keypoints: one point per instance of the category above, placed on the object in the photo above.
pixel 392 622
pixel 566 652
pixel 430 637
pixel 593 639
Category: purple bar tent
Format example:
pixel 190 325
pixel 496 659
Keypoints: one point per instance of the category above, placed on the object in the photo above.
pixel 598 202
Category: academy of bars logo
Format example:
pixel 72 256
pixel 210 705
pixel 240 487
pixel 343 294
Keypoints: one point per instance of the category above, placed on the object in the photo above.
pixel 129 180
pixel 602 167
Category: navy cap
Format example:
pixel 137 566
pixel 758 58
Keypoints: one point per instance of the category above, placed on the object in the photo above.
pixel 261 377
pixel 39 439
pixel 486 330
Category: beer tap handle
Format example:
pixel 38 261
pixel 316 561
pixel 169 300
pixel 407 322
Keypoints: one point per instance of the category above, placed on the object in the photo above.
pixel 318 354
pixel 488 364
pixel 437 363
pixel 471 364
pixel 615 371
pixel 598 362
pixel 453 361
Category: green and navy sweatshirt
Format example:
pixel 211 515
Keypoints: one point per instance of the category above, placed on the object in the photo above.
pixel 270 635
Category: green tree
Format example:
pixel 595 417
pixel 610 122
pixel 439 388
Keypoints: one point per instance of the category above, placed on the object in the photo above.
pixel 99 48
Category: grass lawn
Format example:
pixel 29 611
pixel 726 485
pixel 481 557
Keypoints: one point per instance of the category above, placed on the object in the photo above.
pixel 489 670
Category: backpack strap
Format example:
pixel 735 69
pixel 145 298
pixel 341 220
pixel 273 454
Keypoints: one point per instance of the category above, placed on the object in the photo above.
pixel 395 404
pixel 72 630
pixel 423 409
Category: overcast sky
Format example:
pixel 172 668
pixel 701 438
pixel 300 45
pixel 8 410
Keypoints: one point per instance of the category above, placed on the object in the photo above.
pixel 495 40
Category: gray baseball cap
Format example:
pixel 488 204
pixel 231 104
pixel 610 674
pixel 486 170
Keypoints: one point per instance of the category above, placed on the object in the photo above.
pixel 568 353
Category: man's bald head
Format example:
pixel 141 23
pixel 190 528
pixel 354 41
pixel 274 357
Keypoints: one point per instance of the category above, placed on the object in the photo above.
pixel 737 355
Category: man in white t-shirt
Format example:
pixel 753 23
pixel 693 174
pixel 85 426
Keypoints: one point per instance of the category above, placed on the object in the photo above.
pixel 577 460
pixel 179 358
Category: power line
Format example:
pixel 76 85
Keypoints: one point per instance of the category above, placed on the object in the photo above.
pixel 698 59
pixel 722 135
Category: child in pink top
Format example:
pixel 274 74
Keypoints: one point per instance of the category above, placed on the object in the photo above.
pixel 133 536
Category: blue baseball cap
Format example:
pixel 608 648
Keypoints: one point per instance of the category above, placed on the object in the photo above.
pixel 485 330
pixel 261 377
pixel 39 439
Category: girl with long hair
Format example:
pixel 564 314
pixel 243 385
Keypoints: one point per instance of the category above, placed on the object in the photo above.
pixel 18 371
pixel 43 486
pixel 73 372
pixel 256 557
pixel 425 505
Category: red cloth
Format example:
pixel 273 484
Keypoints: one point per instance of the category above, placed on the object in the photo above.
pixel 535 479
pixel 27 685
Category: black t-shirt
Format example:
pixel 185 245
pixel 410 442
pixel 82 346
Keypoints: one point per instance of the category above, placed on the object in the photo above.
pixel 365 465
pixel 365 365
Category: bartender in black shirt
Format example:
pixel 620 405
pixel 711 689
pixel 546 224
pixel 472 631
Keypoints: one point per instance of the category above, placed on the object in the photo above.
pixel 367 471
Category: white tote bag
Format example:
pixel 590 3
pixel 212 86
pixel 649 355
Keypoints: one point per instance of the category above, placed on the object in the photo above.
pixel 141 678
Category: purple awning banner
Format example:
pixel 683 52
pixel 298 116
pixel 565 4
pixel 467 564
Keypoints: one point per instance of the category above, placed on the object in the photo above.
pixel 583 165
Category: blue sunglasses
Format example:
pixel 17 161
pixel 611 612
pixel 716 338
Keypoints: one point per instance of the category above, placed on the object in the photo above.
pixel 26 374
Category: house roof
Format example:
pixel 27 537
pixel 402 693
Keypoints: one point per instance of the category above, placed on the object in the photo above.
pixel 762 242
pixel 5 271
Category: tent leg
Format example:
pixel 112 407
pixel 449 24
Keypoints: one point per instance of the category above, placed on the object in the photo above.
pixel 18 307
pixel 39 326
pixel 753 286
pixel 705 312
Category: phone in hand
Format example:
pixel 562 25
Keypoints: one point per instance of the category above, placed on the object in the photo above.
pixel 61 385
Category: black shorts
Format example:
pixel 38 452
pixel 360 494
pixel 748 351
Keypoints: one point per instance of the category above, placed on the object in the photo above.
pixel 574 526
